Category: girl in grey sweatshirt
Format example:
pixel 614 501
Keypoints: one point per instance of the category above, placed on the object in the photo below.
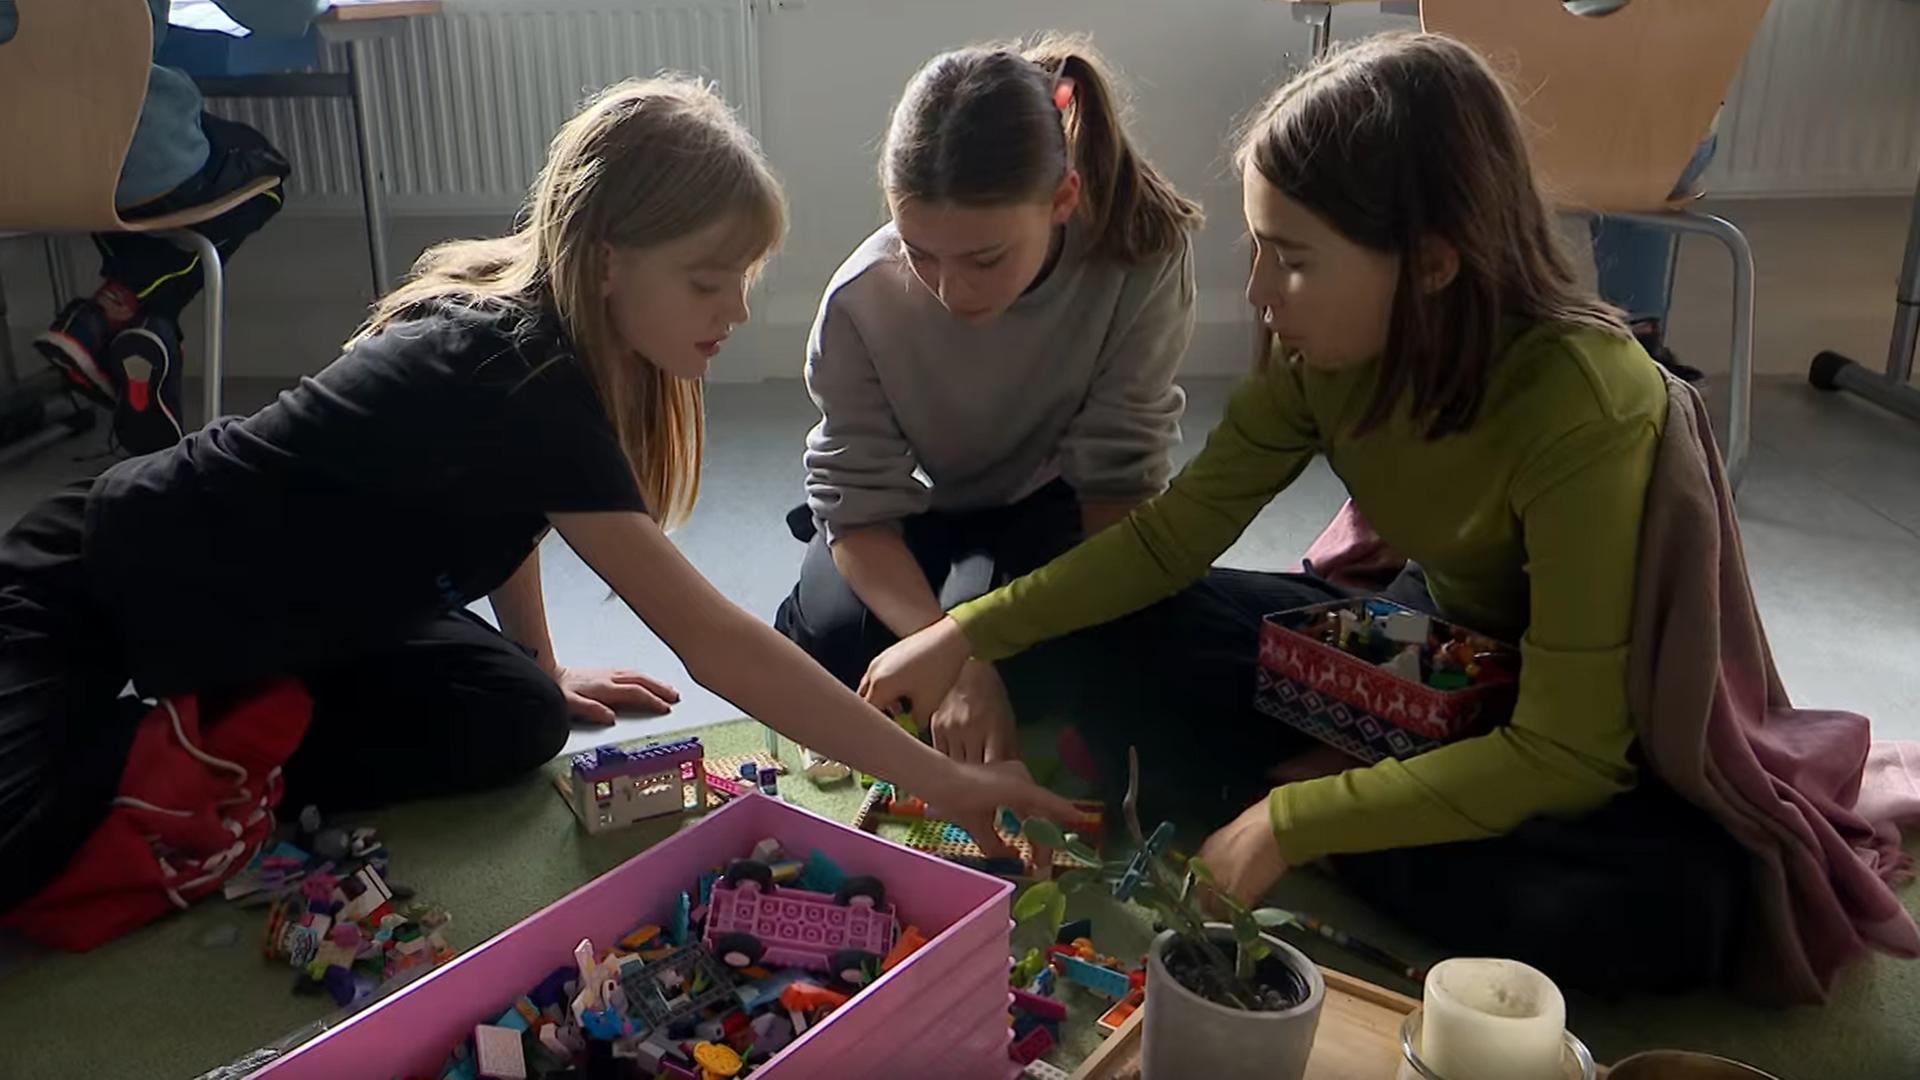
pixel 993 367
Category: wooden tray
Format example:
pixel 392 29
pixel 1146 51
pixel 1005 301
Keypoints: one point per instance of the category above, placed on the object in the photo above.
pixel 1358 1037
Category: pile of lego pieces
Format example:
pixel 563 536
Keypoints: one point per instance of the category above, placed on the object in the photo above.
pixel 689 993
pixel 1036 978
pixel 332 915
pixel 1414 646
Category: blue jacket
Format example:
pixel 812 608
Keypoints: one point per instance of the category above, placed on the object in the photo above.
pixel 168 147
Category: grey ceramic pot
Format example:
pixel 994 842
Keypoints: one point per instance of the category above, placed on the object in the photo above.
pixel 1187 1036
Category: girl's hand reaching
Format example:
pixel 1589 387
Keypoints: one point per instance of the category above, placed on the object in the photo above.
pixel 971 794
pixel 917 673
pixel 1244 856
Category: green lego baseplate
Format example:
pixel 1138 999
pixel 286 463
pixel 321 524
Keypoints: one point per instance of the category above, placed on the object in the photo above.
pixel 938 837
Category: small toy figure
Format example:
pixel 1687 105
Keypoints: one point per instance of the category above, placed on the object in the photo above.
pixel 611 786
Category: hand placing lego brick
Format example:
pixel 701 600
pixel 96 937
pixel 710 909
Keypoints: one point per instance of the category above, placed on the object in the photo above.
pixel 975 722
pixel 1244 857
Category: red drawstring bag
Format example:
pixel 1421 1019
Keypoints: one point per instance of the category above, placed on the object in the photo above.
pixel 195 805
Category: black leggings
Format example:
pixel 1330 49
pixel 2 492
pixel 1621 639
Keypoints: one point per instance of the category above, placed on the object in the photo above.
pixel 1640 895
pixel 965 555
pixel 453 707
pixel 164 275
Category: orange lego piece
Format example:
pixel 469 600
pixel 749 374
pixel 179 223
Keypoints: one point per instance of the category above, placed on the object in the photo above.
pixel 911 939
pixel 805 997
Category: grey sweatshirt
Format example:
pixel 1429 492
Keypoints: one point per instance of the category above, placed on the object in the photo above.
pixel 920 410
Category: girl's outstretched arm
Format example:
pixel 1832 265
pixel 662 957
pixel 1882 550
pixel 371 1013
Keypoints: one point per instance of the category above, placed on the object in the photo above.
pixel 750 664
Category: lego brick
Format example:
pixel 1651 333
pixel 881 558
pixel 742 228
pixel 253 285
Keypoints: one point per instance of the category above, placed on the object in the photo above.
pixel 1100 980
pixel 497 1054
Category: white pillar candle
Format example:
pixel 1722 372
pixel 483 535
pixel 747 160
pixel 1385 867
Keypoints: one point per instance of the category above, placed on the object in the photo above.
pixel 1492 1020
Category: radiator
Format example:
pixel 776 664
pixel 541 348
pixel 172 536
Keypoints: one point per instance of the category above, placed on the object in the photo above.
pixel 1827 103
pixel 468 100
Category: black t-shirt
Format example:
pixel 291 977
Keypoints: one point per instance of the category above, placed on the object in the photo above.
pixel 409 478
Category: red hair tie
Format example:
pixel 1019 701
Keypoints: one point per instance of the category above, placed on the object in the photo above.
pixel 1063 94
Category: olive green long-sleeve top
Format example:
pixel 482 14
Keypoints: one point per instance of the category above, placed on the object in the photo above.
pixel 1527 524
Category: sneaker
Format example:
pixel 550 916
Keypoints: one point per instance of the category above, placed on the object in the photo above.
pixel 146 358
pixel 74 344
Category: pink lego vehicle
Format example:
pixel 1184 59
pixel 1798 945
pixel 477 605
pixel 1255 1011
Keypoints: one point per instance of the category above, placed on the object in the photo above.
pixel 750 919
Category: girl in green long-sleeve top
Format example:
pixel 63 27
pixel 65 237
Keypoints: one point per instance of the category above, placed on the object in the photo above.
pixel 1496 423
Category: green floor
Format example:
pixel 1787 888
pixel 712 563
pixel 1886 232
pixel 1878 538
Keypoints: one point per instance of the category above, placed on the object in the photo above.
pixel 157 1004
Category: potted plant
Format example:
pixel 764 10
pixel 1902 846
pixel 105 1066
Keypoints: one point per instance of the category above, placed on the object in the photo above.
pixel 1225 999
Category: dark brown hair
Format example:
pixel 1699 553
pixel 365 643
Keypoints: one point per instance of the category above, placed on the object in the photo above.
pixel 980 127
pixel 1408 138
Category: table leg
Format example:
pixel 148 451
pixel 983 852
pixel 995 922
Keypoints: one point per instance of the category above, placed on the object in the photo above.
pixel 372 174
pixel 1319 20
pixel 1906 310
pixel 1893 390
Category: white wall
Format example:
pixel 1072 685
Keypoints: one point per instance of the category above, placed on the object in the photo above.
pixel 1829 103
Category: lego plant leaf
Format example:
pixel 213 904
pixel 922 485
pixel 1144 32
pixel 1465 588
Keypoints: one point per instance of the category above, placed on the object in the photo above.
pixel 1056 911
pixel 1074 880
pixel 1078 849
pixel 1035 899
pixel 1046 833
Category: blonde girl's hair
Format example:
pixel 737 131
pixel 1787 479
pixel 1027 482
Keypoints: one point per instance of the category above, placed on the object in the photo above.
pixel 645 161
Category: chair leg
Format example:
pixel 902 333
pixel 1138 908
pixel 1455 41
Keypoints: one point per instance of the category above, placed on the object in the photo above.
pixel 214 298
pixel 1740 374
pixel 59 270
pixel 1740 390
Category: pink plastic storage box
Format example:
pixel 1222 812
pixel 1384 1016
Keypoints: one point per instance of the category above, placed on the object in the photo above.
pixel 941 1013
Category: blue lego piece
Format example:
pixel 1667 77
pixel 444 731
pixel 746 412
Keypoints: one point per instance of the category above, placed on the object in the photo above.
pixel 463 1068
pixel 605 1023
pixel 1162 836
pixel 821 874
pixel 1104 981
pixel 682 917
pixel 1123 889
pixel 1043 983
pixel 552 990
pixel 339 983
pixel 761 993
pixel 1009 822
pixel 750 772
pixel 1024 1023
pixel 707 878
pixel 512 1019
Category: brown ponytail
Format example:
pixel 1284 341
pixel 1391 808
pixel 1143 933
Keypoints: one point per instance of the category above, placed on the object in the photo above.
pixel 1131 210
pixel 981 127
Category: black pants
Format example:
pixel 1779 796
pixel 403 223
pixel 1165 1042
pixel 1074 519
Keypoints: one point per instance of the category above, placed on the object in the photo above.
pixel 453 707
pixel 163 275
pixel 1640 895
pixel 964 555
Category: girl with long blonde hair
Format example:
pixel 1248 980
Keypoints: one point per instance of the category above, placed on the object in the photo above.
pixel 550 378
